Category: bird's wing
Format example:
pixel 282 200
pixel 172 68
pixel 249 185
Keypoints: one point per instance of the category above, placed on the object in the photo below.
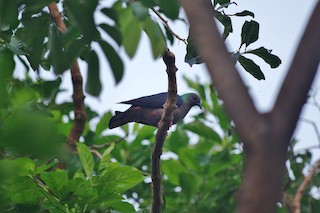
pixel 152 101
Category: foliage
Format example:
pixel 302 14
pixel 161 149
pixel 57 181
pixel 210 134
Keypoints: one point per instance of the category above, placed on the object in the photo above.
pixel 203 167
pixel 249 34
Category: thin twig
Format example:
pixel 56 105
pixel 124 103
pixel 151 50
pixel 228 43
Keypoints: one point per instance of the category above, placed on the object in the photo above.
pixel 165 22
pixel 101 146
pixel 78 96
pixel 163 126
pixel 305 183
pixel 314 125
pixel 96 153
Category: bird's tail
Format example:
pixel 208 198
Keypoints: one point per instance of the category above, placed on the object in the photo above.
pixel 117 120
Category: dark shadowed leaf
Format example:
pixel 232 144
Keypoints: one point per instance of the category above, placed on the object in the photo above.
pixel 251 67
pixel 156 37
pixel 170 8
pixel 114 59
pixel 192 57
pixel 93 84
pixel 111 13
pixel 81 13
pixel 56 55
pixel 113 32
pixel 250 32
pixel 245 13
pixel 226 22
pixel 169 35
pixel 273 60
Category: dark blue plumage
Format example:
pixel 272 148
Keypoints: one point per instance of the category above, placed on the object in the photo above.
pixel 149 109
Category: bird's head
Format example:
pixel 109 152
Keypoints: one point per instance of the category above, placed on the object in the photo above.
pixel 193 99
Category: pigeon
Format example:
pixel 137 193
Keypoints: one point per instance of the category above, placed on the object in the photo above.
pixel 149 109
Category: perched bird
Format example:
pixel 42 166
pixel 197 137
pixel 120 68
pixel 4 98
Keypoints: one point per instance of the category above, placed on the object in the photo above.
pixel 149 109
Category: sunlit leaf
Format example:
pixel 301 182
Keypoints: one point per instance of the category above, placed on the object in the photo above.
pixel 156 37
pixel 86 159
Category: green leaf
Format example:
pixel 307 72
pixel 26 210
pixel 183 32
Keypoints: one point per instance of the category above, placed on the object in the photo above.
pixel 9 13
pixel 273 60
pixel 202 130
pixel 57 55
pixel 7 66
pixel 103 123
pixel 190 183
pixel 192 57
pixel 139 10
pixel 169 35
pixel 27 197
pixel 81 13
pixel 156 37
pixel 250 32
pixel 16 45
pixel 113 32
pixel 130 29
pixel 55 180
pixel 251 67
pixel 93 84
pixel 86 159
pixel 114 59
pixel 105 160
pixel 173 169
pixel 226 22
pixel 121 177
pixel 245 13
pixel 170 8
pixel 111 13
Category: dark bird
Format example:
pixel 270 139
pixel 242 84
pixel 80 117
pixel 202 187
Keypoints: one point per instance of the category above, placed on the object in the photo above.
pixel 149 109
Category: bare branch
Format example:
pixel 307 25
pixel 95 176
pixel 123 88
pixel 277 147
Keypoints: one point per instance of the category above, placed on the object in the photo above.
pixel 165 22
pixel 294 90
pixel 78 96
pixel 163 126
pixel 314 125
pixel 305 183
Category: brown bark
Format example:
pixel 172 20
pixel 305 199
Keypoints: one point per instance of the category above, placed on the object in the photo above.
pixel 265 136
pixel 163 126
pixel 80 114
pixel 305 183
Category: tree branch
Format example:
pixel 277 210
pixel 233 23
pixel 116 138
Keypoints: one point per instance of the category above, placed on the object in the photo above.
pixel 165 22
pixel 221 68
pixel 294 90
pixel 80 114
pixel 163 126
pixel 305 183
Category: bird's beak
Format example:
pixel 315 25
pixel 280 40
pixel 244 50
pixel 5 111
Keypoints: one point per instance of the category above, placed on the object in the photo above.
pixel 199 105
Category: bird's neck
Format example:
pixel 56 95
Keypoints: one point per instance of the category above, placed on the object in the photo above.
pixel 180 112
